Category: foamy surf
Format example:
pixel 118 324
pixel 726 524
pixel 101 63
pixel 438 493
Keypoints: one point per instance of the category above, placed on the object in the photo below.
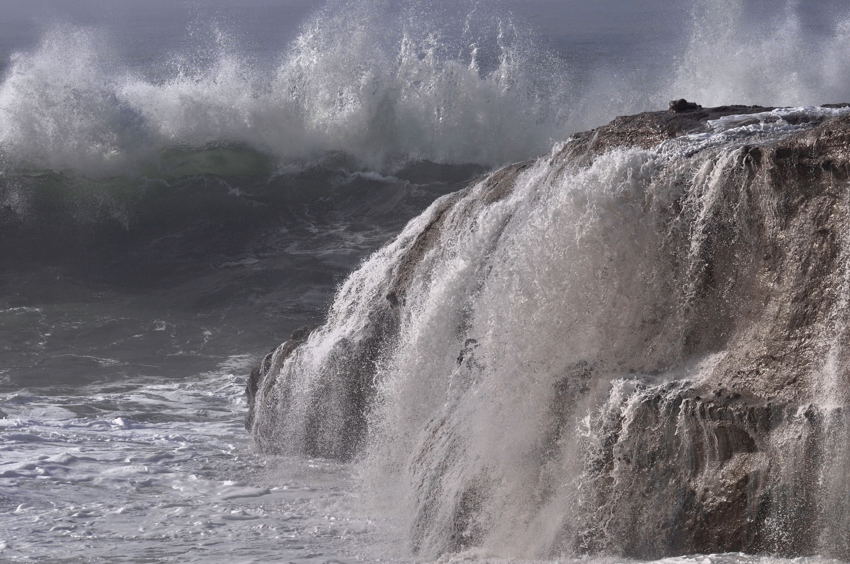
pixel 161 470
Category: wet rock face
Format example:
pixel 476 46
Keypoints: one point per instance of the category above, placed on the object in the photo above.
pixel 716 474
pixel 747 458
pixel 346 378
pixel 259 376
pixel 639 454
pixel 772 261
pixel 651 128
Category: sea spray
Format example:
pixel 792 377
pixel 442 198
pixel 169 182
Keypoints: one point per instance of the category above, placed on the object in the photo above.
pixel 740 52
pixel 383 83
pixel 389 83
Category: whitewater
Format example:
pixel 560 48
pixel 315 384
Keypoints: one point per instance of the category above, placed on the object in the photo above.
pixel 481 306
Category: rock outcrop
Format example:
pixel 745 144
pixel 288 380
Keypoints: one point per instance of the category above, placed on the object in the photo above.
pixel 667 371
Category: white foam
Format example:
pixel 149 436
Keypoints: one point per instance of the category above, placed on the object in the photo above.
pixel 351 81
pixel 400 86
pixel 180 487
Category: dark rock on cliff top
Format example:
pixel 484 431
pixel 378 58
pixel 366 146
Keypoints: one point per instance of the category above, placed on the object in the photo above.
pixel 682 105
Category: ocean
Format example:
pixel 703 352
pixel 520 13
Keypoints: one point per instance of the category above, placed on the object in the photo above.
pixel 185 184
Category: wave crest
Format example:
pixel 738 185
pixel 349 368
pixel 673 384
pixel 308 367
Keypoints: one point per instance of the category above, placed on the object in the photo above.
pixel 382 84
pixel 388 82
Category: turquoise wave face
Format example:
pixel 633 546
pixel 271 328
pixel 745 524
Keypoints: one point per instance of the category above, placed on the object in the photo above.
pixel 187 205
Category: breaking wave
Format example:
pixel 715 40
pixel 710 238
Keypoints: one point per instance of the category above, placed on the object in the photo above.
pixel 388 83
pixel 352 81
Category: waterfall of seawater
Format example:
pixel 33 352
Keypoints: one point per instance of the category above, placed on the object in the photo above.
pixel 636 351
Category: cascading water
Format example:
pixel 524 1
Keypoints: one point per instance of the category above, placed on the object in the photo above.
pixel 614 348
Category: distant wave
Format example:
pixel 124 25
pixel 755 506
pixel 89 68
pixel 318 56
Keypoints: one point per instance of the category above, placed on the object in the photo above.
pixel 387 83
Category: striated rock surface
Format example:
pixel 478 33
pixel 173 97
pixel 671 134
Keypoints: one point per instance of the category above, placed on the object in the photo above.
pixel 635 345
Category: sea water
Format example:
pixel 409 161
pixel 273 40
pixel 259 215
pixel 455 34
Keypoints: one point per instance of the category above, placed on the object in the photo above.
pixel 182 185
